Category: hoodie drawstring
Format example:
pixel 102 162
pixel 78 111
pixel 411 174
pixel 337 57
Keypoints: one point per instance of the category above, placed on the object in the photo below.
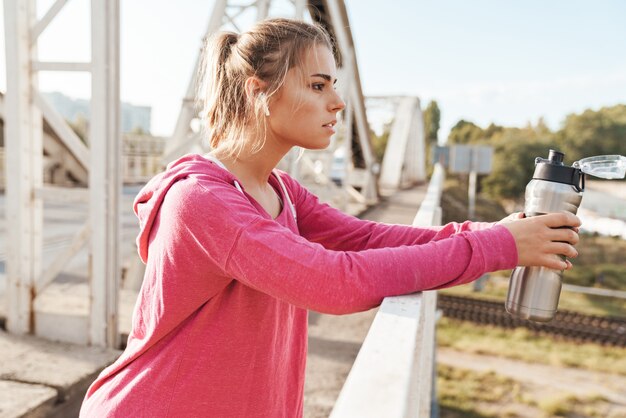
pixel 292 207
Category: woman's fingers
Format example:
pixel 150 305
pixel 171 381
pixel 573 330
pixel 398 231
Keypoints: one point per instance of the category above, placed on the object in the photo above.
pixel 544 240
pixel 553 262
pixel 555 220
pixel 562 248
pixel 564 235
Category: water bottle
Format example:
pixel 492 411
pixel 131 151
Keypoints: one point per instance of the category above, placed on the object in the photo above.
pixel 534 291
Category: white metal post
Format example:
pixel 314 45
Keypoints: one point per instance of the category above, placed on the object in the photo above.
pixel 300 6
pixel 104 178
pixel 348 167
pixel 338 16
pixel 188 109
pixel 263 8
pixel 23 129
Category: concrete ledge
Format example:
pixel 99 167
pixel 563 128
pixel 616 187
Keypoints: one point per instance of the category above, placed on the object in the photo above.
pixel 393 374
pixel 24 399
pixel 52 377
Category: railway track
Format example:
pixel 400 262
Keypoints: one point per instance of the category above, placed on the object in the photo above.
pixel 567 324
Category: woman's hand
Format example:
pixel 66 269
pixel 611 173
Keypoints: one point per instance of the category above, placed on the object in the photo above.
pixel 541 239
pixel 513 217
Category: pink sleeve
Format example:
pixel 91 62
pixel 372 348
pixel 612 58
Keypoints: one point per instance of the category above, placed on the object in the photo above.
pixel 335 230
pixel 264 255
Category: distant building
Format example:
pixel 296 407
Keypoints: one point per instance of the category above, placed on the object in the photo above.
pixel 134 118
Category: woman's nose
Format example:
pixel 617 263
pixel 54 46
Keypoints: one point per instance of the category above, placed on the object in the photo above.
pixel 337 104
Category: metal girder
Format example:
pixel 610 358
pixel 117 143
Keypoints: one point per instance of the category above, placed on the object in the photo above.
pixel 354 134
pixel 25 109
pixel 23 141
pixel 105 183
pixel 404 161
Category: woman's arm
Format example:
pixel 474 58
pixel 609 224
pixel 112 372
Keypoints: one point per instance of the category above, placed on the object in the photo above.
pixel 220 224
pixel 330 227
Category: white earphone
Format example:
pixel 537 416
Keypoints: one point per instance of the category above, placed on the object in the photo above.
pixel 263 99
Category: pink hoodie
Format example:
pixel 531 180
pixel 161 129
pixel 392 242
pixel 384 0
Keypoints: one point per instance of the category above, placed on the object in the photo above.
pixel 220 324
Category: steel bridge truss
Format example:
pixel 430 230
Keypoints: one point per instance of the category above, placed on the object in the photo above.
pixel 354 173
pixel 26 111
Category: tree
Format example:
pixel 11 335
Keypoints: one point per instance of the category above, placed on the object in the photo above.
pixel 592 133
pixel 514 161
pixel 513 168
pixel 379 143
pixel 432 119
pixel 465 132
pixel 493 131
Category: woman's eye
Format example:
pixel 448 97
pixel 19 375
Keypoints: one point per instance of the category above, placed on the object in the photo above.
pixel 318 86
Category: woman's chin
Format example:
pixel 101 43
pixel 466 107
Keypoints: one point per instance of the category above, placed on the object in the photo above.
pixel 324 144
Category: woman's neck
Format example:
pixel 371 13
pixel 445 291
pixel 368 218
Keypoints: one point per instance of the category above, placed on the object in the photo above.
pixel 254 169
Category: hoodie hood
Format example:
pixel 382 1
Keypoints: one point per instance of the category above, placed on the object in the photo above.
pixel 149 200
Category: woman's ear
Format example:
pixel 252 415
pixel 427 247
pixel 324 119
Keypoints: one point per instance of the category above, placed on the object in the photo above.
pixel 253 87
pixel 255 94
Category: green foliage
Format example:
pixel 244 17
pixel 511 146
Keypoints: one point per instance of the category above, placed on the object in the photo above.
pixel 379 143
pixel 464 391
pixel 432 119
pixel 526 345
pixel 594 133
pixel 513 165
pixel 600 263
pixel 569 405
pixel 515 150
pixel 582 135
pixel 493 130
pixel 580 276
pixel 465 132
pixel 454 202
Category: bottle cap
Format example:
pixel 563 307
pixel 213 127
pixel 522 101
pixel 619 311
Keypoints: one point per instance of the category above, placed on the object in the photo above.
pixel 553 169
pixel 603 166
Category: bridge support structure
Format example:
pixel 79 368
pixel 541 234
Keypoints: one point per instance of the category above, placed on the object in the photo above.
pixel 25 111
pixel 353 178
pixel 404 163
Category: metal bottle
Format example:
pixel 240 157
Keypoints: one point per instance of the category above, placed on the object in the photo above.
pixel 534 291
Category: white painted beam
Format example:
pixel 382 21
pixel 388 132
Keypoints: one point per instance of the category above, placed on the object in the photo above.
pixel 23 139
pixel 339 21
pixel 395 154
pixel 78 242
pixel 60 66
pixel 104 174
pixel 263 8
pixel 42 24
pixel 176 145
pixel 300 6
pixel 76 146
pixel 63 194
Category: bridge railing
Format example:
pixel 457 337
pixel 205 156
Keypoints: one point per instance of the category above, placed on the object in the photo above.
pixel 394 373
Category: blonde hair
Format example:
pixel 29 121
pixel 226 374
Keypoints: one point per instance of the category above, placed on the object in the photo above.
pixel 267 51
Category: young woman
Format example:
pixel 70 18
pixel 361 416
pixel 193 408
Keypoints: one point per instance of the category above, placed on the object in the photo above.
pixel 237 252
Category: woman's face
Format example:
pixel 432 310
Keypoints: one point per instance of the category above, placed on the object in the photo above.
pixel 304 110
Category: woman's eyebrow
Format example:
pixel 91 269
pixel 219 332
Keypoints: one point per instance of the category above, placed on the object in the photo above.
pixel 324 76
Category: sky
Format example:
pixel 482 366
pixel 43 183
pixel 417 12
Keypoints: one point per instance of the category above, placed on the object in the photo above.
pixel 504 62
